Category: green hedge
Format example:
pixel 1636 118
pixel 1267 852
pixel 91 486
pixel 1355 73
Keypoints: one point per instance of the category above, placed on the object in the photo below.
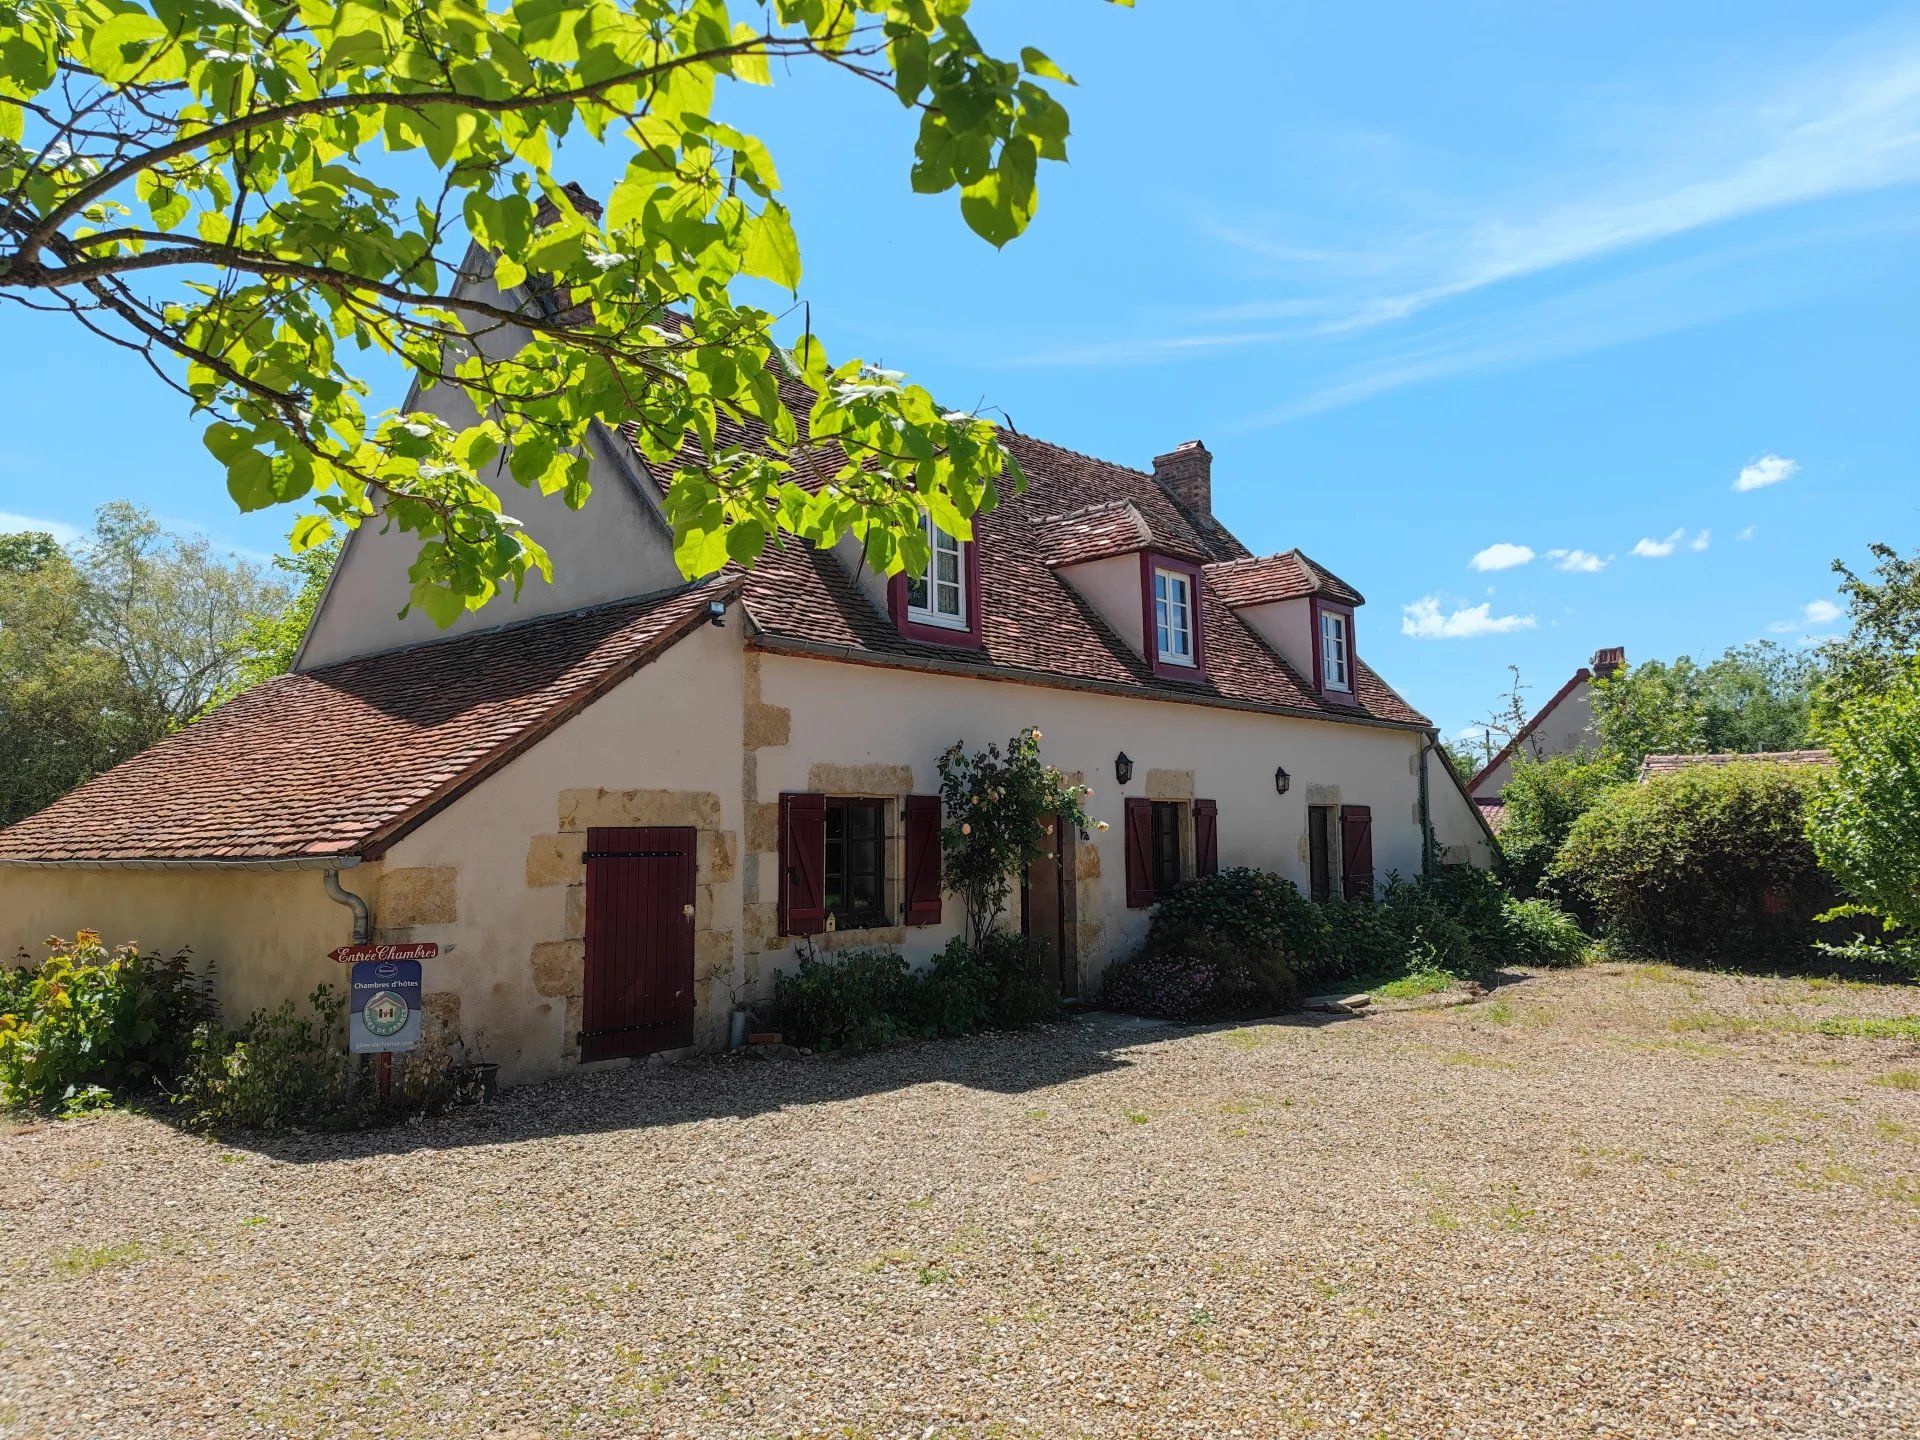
pixel 1709 862
pixel 864 999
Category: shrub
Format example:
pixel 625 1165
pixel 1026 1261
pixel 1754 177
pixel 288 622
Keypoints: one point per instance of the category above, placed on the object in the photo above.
pixel 88 1026
pixel 1197 979
pixel 865 999
pixel 1541 933
pixel 1705 862
pixel 289 1068
pixel 1542 800
pixel 1864 820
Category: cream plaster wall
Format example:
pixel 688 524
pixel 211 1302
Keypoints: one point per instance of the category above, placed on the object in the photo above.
pixel 1112 587
pixel 267 932
pixel 1286 625
pixel 618 545
pixel 897 722
pixel 1560 729
pixel 676 725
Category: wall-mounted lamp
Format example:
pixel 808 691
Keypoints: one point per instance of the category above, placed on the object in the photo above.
pixel 716 612
pixel 1282 780
pixel 1122 768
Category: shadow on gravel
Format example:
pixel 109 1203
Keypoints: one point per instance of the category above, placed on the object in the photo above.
pixel 718 1087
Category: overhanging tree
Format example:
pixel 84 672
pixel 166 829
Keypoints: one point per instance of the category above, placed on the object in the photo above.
pixel 199 181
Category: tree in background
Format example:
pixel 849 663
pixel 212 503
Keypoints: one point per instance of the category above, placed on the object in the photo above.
pixel 1884 629
pixel 1755 697
pixel 198 181
pixel 273 639
pixel 106 649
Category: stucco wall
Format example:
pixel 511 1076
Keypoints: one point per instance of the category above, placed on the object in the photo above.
pixel 1286 625
pixel 1560 729
pixel 1112 587
pixel 893 724
pixel 617 546
pixel 266 932
pixel 671 735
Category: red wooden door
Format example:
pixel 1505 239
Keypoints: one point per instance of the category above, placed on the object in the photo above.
pixel 1043 909
pixel 639 995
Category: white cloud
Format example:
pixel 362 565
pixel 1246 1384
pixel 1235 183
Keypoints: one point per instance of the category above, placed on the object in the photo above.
pixel 1659 549
pixel 1814 615
pixel 1578 562
pixel 62 532
pixel 1767 470
pixel 1424 620
pixel 1502 555
pixel 1701 541
pixel 1747 532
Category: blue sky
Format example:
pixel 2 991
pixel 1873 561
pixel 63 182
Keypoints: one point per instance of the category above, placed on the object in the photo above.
pixel 1489 308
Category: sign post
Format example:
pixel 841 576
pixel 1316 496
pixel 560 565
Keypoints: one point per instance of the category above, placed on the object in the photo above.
pixel 383 1014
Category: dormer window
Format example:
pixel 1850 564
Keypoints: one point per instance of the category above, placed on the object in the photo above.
pixel 1173 616
pixel 939 595
pixel 1334 659
pixel 1173 635
pixel 941 605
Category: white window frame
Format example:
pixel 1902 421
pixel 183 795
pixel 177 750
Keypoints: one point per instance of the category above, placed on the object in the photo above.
pixel 1163 611
pixel 928 614
pixel 1336 651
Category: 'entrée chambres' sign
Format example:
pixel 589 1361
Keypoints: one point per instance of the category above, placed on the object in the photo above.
pixel 418 950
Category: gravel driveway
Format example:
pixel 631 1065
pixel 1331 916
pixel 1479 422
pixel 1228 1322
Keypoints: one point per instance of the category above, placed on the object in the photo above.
pixel 1622 1201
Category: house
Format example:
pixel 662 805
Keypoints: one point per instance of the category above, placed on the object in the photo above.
pixel 620 805
pixel 1564 724
pixel 1652 765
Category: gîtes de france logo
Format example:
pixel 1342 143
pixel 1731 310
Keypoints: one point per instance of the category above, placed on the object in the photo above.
pixel 384 1014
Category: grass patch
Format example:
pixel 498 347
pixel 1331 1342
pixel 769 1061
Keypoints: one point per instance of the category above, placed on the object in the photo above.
pixel 1888 1027
pixel 1898 1080
pixel 1137 1117
pixel 1498 1013
pixel 90 1260
pixel 1849 1027
pixel 1410 987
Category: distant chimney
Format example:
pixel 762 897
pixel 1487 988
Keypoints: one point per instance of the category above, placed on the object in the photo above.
pixel 1605 662
pixel 1186 473
pixel 546 212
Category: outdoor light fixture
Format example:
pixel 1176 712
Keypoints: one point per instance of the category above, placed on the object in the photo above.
pixel 716 612
pixel 1281 780
pixel 1122 768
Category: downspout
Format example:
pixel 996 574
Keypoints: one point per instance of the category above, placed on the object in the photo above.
pixel 362 924
pixel 1426 807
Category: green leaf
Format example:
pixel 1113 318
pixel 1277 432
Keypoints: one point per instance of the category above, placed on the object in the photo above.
pixel 772 252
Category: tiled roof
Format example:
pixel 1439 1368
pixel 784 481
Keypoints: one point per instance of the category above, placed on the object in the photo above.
pixel 1665 764
pixel 1286 576
pixel 1033 621
pixel 1494 812
pixel 1104 529
pixel 343 760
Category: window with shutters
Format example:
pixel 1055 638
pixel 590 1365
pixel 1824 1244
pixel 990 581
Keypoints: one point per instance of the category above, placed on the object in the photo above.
pixel 1164 867
pixel 854 872
pixel 1206 838
pixel 1320 851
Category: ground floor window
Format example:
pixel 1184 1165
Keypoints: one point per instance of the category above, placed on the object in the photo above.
pixel 1165 848
pixel 1320 850
pixel 855 870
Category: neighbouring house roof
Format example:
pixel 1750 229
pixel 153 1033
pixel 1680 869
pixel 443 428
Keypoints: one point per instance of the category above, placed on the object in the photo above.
pixel 1494 812
pixel 1289 575
pixel 1036 626
pixel 1665 764
pixel 344 760
pixel 1507 751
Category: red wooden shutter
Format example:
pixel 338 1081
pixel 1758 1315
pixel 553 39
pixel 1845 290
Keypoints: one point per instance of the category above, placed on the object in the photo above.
pixel 803 864
pixel 1139 827
pixel 1356 852
pixel 1206 838
pixel 920 886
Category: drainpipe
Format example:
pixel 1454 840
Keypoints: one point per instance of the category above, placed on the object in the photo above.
pixel 1426 807
pixel 362 924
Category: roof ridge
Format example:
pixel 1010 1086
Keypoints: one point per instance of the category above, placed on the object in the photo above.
pixel 1082 454
pixel 650 597
pixel 1079 512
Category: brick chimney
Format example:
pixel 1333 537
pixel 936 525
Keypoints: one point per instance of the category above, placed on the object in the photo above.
pixel 1606 661
pixel 546 212
pixel 1186 473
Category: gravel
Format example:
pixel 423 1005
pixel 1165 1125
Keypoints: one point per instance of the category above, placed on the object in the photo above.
pixel 1621 1201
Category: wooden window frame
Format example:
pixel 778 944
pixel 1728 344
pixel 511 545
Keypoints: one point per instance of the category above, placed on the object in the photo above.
pixel 916 625
pixel 1316 607
pixel 1150 565
pixel 843 806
